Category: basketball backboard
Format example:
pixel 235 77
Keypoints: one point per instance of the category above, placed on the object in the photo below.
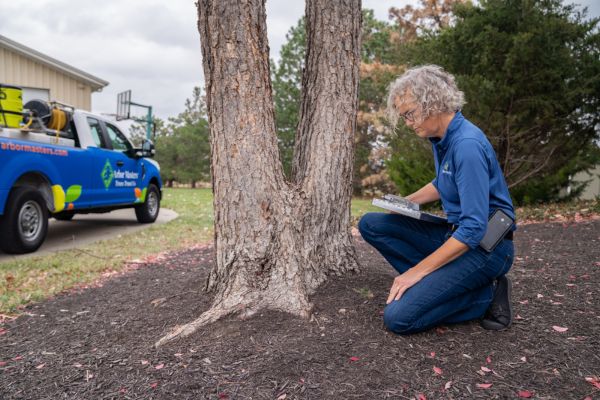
pixel 123 105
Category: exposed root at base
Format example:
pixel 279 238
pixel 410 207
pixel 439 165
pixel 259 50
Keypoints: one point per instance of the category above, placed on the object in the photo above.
pixel 206 318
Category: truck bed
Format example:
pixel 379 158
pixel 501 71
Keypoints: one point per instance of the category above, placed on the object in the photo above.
pixel 35 136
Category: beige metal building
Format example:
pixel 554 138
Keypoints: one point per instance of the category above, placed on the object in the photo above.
pixel 43 77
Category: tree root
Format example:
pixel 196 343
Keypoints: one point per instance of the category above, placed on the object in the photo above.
pixel 206 318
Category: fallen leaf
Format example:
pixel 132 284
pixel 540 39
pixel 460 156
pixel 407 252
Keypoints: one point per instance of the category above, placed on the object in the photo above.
pixel 593 380
pixel 560 328
pixel 282 397
pixel 159 366
pixel 484 385
pixel 488 360
pixel 448 385
pixel 40 366
pixel 539 296
pixel 223 395
pixel 523 301
pixel 525 394
pixel 421 396
pixel 178 355
pixel 524 359
pixel 354 358
pixel 437 370
pixel 17 358
pixel 123 390
pixel 432 354
pixel 154 385
pixel 144 362
pixel 518 317
pixel 2 363
pixel 486 369
pixel 2 331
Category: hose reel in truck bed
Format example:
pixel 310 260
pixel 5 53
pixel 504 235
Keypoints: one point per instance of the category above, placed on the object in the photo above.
pixel 43 115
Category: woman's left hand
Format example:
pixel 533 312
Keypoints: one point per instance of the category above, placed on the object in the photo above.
pixel 402 283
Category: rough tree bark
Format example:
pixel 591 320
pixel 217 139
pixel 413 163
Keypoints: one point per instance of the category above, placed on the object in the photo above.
pixel 277 241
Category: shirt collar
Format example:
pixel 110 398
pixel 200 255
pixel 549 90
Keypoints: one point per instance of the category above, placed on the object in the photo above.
pixel 444 142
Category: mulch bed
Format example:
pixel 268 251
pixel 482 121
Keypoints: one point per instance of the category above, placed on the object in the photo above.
pixel 97 343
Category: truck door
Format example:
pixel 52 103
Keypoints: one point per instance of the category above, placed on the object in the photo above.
pixel 116 176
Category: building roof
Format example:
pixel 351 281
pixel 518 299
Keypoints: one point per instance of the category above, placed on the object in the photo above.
pixel 95 82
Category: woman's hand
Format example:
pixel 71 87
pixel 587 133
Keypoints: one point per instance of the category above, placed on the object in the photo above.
pixel 402 283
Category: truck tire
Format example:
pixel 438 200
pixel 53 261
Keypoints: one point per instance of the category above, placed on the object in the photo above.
pixel 64 216
pixel 147 212
pixel 24 225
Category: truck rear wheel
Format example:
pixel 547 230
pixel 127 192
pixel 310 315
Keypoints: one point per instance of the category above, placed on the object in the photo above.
pixel 147 212
pixel 24 225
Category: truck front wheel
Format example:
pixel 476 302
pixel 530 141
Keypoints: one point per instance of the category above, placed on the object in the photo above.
pixel 24 225
pixel 147 212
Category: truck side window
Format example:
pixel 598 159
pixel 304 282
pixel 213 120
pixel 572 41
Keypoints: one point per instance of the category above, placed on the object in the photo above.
pixel 119 142
pixel 95 131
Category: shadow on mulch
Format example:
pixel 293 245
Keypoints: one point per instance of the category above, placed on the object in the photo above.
pixel 97 344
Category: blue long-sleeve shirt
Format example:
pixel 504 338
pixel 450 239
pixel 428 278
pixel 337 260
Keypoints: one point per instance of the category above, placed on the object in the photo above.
pixel 469 180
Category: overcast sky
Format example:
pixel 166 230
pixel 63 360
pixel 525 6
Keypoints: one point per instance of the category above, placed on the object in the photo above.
pixel 151 47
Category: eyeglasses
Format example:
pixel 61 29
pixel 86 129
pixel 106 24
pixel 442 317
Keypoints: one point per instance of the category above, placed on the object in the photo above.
pixel 409 115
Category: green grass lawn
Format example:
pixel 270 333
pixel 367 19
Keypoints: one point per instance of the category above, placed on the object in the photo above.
pixel 34 278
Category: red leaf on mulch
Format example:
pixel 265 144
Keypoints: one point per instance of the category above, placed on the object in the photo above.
pixel 448 385
pixel 2 331
pixel 145 362
pixel 486 369
pixel 593 380
pixel 159 366
pixel 484 385
pixel 525 394
pixel 421 396
pixel 437 370
pixel 441 330
pixel 154 385
pixel 17 358
pixel 223 395
pixel 488 360
pixel 432 354
pixel 2 363
pixel 354 358
pixel 123 390
pixel 40 366
pixel 560 328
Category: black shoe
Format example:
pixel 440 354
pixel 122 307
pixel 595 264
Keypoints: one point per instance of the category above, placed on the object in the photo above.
pixel 499 315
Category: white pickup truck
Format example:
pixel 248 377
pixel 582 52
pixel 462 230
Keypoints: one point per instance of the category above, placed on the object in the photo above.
pixel 86 166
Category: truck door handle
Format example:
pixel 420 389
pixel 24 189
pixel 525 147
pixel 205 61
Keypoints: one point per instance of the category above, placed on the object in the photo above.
pixel 120 163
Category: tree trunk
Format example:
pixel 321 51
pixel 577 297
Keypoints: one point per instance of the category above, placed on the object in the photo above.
pixel 276 241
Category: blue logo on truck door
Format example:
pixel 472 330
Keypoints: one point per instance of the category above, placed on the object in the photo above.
pixel 107 174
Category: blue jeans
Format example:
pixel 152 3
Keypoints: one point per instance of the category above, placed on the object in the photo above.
pixel 459 291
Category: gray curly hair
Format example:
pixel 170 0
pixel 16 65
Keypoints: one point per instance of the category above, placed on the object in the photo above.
pixel 430 87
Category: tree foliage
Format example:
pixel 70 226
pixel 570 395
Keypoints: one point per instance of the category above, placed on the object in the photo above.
pixel 182 143
pixel 287 87
pixel 530 71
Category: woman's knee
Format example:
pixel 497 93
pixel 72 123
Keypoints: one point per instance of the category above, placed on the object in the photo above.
pixel 366 223
pixel 398 319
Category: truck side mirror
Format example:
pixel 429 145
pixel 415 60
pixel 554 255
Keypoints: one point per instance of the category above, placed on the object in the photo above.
pixel 148 148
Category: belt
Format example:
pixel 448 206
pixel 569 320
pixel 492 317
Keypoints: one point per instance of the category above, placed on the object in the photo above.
pixel 508 236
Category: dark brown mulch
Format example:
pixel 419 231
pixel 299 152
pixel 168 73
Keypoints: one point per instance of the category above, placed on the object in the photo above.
pixel 97 344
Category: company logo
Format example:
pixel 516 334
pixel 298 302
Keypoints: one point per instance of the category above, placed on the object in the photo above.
pixel 107 174
pixel 446 169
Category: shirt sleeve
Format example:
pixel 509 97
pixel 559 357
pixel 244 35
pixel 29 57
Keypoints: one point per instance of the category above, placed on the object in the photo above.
pixel 472 179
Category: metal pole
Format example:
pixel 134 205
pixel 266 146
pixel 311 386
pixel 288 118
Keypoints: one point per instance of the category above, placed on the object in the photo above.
pixel 149 123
